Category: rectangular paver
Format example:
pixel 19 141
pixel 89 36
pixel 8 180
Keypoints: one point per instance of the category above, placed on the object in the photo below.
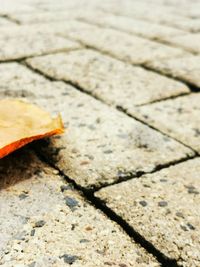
pixel 101 145
pixel 131 25
pixel 45 222
pixel 164 207
pixel 48 16
pixel 29 44
pixel 185 68
pixel 179 118
pixel 111 80
pixel 130 48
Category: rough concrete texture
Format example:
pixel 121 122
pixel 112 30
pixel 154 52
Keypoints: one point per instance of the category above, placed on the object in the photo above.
pixel 45 222
pixel 108 79
pixel 184 68
pixel 135 26
pixel 130 48
pixel 163 207
pixel 88 143
pixel 18 47
pixel 179 118
pixel 190 42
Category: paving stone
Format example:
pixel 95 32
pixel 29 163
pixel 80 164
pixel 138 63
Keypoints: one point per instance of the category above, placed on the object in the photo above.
pixel 48 16
pixel 17 47
pixel 42 229
pixel 164 207
pixel 179 118
pixel 190 42
pixel 130 25
pixel 154 13
pixel 130 48
pixel 90 152
pixel 185 68
pixel 108 79
pixel 121 45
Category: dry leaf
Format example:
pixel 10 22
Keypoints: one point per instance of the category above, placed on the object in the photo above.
pixel 22 123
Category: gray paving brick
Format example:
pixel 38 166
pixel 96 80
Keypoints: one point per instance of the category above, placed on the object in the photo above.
pixel 44 220
pixel 123 46
pixel 29 44
pixel 163 207
pixel 190 42
pixel 185 68
pixel 101 145
pixel 179 118
pixel 154 13
pixel 108 79
pixel 135 26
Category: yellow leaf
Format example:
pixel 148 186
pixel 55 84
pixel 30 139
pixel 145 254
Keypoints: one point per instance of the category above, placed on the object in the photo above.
pixel 22 123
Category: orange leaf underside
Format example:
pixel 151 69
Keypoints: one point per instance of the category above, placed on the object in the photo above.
pixel 22 123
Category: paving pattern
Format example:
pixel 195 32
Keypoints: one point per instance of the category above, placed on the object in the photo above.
pixel 121 186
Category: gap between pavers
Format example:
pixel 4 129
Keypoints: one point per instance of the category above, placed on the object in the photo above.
pixel 164 208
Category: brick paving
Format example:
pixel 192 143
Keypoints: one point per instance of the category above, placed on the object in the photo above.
pixel 121 187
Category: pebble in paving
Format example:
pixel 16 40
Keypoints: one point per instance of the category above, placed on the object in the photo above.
pixel 135 26
pixel 184 68
pixel 29 44
pixel 101 145
pixel 180 118
pixel 40 229
pixel 163 207
pixel 130 48
pixel 113 81
pixel 190 42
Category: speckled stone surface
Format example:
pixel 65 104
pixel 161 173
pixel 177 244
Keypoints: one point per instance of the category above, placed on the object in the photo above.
pixel 164 207
pixel 152 12
pixel 90 152
pixel 29 44
pixel 45 222
pixel 185 68
pixel 179 118
pixel 121 45
pixel 131 25
pixel 110 80
pixel 190 42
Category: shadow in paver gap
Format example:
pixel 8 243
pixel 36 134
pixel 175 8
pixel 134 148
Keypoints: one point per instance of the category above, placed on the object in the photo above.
pixel 193 88
pixel 100 205
pixel 154 128
pixel 139 174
